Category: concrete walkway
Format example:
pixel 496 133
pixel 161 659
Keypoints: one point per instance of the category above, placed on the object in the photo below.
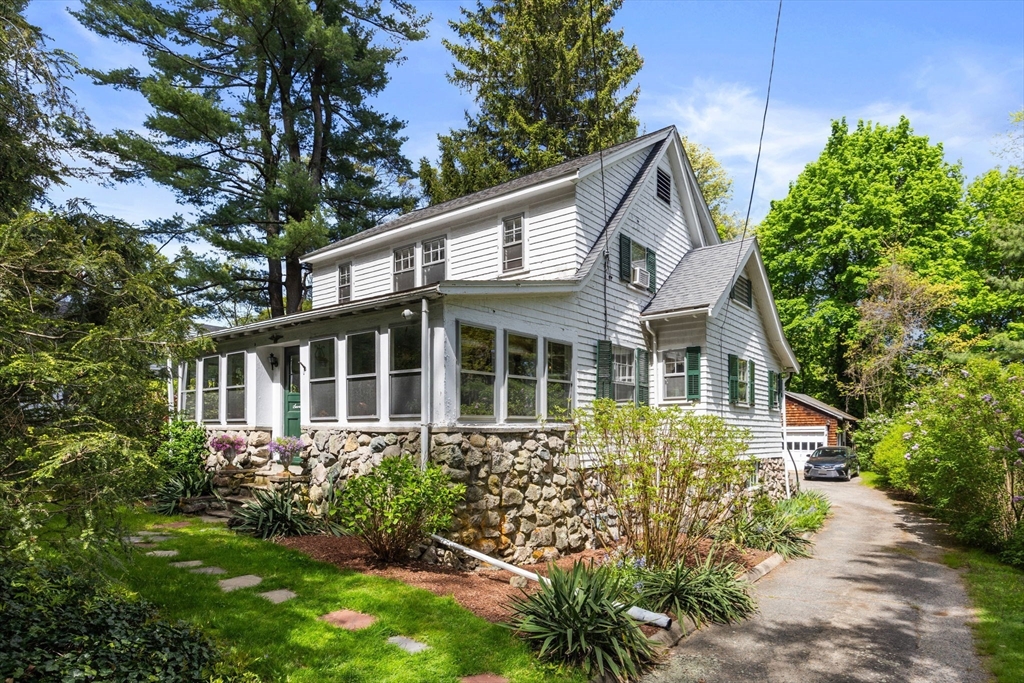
pixel 875 603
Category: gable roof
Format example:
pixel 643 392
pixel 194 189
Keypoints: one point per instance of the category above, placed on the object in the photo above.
pixel 820 406
pixel 571 166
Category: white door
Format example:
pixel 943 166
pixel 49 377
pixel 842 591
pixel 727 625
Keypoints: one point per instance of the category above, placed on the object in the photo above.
pixel 801 442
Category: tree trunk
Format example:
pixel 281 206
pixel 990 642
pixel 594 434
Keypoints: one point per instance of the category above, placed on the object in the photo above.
pixel 293 284
pixel 274 293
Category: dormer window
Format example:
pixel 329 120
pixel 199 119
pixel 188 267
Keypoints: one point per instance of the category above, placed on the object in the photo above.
pixel 664 190
pixel 434 261
pixel 512 244
pixel 344 283
pixel 405 268
pixel 741 292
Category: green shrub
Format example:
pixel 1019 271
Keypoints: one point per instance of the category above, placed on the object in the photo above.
pixel 182 447
pixel 395 506
pixel 580 618
pixel 805 511
pixel 281 512
pixel 890 458
pixel 768 532
pixel 710 592
pixel 58 625
pixel 870 431
pixel 183 485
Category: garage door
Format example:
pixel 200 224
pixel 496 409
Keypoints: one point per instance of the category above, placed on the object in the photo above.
pixel 801 442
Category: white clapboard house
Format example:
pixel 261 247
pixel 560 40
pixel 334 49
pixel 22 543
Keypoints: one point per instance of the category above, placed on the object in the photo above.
pixel 499 311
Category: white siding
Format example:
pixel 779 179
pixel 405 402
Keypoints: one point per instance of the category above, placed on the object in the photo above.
pixel 325 285
pixel 371 274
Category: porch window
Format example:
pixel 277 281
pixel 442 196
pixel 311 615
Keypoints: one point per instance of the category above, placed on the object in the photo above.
pixel 211 389
pixel 559 380
pixel 362 375
pixel 405 268
pixel 624 375
pixel 476 371
pixel 405 371
pixel 344 283
pixel 512 244
pixel 434 261
pixel 323 383
pixel 188 402
pixel 521 368
pixel 235 386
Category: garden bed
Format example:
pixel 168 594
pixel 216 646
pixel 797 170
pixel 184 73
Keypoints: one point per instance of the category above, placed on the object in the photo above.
pixel 486 592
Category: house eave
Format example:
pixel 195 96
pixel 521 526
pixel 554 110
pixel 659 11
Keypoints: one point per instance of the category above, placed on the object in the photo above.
pixel 508 287
pixel 676 313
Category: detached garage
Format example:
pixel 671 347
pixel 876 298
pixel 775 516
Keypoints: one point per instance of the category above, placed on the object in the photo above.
pixel 811 424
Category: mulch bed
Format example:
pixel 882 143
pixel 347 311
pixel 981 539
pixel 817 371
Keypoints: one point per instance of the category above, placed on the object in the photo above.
pixel 486 592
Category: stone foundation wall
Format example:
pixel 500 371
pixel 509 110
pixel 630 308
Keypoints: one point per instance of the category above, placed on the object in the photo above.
pixel 773 478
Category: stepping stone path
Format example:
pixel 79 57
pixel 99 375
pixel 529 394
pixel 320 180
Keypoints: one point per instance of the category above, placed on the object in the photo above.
pixel 483 678
pixel 347 619
pixel 162 553
pixel 209 570
pixel 244 581
pixel 278 596
pixel 187 563
pixel 172 525
pixel 408 644
pixel 213 520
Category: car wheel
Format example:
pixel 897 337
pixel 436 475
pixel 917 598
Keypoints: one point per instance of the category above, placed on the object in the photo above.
pixel 845 476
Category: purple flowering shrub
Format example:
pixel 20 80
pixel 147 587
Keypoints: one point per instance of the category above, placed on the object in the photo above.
pixel 962 444
pixel 226 444
pixel 284 448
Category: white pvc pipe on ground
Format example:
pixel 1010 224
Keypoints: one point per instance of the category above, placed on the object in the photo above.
pixel 637 613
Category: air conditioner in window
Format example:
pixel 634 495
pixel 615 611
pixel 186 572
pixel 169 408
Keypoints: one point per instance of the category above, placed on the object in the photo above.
pixel 641 277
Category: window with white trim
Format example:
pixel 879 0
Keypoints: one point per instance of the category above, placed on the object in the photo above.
pixel 405 268
pixel 362 374
pixel 477 350
pixel 344 283
pixel 188 383
pixel 235 386
pixel 434 261
pixel 323 382
pixel 406 351
pixel 512 243
pixel 624 374
pixel 742 381
pixel 559 380
pixel 211 389
pixel 521 371
pixel 675 374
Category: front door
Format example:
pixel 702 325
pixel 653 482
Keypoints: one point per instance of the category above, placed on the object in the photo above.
pixel 292 397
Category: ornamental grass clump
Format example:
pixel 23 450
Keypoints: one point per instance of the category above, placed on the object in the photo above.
pixel 579 618
pixel 396 506
pixel 674 477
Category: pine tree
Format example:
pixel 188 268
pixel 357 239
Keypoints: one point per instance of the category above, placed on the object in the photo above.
pixel 260 121
pixel 547 76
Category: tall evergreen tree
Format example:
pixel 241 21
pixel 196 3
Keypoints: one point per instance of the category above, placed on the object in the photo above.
pixel 548 77
pixel 260 120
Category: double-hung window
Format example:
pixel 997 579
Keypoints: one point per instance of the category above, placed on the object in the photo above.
pixel 188 403
pixel 742 383
pixel 405 268
pixel 235 387
pixel 211 389
pixel 362 374
pixel 323 383
pixel 476 371
pixel 512 244
pixel 344 283
pixel 624 374
pixel 434 261
pixel 559 380
pixel 521 367
pixel 405 371
pixel 675 374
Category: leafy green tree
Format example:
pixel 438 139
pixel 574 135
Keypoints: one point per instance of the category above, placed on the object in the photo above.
pixel 261 120
pixel 716 186
pixel 871 190
pixel 547 77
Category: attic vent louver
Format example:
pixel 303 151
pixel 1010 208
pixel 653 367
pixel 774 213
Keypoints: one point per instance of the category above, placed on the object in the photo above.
pixel 664 187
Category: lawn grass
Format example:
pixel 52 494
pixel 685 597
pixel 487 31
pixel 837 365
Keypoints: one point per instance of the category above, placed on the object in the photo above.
pixel 287 642
pixel 870 479
pixel 997 591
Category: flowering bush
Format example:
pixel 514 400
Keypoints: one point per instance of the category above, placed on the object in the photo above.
pixel 284 448
pixel 226 443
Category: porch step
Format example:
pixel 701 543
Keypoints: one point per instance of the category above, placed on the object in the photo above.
pixel 223 514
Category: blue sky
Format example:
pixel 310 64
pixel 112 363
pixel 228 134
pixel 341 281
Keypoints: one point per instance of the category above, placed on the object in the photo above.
pixel 955 69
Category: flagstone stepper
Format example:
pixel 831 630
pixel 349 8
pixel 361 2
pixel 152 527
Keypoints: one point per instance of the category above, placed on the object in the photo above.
pixel 408 644
pixel 209 570
pixel 162 553
pixel 244 581
pixel 279 596
pixel 172 525
pixel 347 619
pixel 483 678
pixel 187 563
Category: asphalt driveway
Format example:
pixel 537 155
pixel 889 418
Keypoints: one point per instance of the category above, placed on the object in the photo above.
pixel 875 603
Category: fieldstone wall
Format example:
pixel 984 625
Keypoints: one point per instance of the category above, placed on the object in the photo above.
pixel 773 478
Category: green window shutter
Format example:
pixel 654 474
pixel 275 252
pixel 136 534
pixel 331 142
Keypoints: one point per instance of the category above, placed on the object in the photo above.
pixel 778 389
pixel 625 254
pixel 652 268
pixel 771 390
pixel 693 373
pixel 751 382
pixel 604 369
pixel 734 378
pixel 643 384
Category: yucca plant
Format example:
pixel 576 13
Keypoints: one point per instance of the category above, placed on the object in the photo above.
pixel 579 618
pixel 769 532
pixel 274 513
pixel 806 511
pixel 181 486
pixel 709 592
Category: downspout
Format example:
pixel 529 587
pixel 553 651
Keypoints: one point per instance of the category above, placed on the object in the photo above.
pixel 654 357
pixel 170 387
pixel 426 373
pixel 796 472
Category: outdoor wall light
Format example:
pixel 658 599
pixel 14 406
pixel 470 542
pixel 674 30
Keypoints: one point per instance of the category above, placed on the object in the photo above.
pixel 272 359
pixel 407 314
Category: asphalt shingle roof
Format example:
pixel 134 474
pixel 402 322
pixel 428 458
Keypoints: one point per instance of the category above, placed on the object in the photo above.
pixel 700 278
pixel 820 406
